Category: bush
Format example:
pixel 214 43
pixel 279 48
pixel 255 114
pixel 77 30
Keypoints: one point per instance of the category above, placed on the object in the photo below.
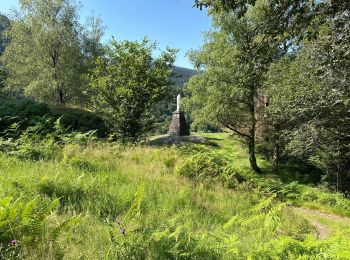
pixel 170 162
pixel 79 120
pixel 214 165
pixel 204 165
pixel 23 116
pixel 16 115
pixel 81 163
pixel 23 108
pixel 333 199
pixel 292 190
pixel 30 130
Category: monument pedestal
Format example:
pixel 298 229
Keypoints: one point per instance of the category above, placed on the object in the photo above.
pixel 178 125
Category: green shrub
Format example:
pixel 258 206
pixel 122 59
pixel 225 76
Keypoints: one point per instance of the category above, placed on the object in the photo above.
pixel 16 115
pixel 203 165
pixel 291 190
pixel 246 232
pixel 231 177
pixel 36 150
pixel 81 163
pixel 79 120
pixel 214 165
pixel 23 219
pixel 23 108
pixel 26 117
pixel 78 137
pixel 73 157
pixel 336 201
pixel 289 248
pixel 170 162
pixel 69 193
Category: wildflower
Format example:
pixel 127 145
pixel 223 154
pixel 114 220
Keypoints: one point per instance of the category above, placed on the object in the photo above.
pixel 14 242
pixel 123 231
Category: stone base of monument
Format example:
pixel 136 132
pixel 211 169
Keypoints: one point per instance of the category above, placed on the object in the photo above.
pixel 178 125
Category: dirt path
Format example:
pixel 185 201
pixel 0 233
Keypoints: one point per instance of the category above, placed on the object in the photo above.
pixel 323 232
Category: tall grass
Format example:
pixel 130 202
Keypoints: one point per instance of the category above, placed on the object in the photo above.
pixel 117 202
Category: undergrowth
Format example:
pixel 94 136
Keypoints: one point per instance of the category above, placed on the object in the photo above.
pixel 98 200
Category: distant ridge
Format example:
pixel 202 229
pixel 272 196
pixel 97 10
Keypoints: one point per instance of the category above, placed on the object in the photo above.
pixel 181 76
pixel 4 24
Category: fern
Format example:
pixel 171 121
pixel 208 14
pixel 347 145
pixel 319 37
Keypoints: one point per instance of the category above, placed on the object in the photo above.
pixel 28 222
pixel 135 208
pixel 69 223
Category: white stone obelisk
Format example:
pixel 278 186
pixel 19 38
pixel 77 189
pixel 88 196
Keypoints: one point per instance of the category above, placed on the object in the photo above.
pixel 178 103
pixel 178 124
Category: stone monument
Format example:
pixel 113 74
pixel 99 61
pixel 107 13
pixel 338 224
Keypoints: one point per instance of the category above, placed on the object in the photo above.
pixel 178 125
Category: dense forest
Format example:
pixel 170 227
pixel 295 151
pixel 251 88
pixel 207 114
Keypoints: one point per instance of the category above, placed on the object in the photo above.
pixel 276 73
pixel 87 169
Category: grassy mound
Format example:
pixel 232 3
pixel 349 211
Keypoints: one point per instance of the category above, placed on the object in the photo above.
pixel 19 115
pixel 80 120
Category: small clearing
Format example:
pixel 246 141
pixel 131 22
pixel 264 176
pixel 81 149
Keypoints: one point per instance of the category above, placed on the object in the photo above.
pixel 315 217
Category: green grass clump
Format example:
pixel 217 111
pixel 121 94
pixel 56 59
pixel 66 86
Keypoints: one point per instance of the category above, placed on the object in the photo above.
pixel 142 202
pixel 204 165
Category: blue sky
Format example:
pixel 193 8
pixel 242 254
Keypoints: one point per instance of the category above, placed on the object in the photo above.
pixel 172 23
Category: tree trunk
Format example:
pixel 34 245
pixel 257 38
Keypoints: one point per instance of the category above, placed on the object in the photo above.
pixel 61 97
pixel 275 161
pixel 252 158
pixel 251 139
pixel 275 156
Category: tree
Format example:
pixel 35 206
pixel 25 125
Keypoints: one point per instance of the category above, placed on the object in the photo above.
pixel 126 84
pixel 227 91
pixel 247 37
pixel 275 28
pixel 45 57
pixel 3 76
pixel 310 99
pixel 306 90
pixel 4 25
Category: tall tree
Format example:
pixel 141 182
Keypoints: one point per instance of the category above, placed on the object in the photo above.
pixel 247 37
pixel 44 58
pixel 310 98
pixel 227 90
pixel 307 91
pixel 4 25
pixel 127 82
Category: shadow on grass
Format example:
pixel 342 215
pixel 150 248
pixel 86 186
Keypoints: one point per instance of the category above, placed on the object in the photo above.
pixel 215 139
pixel 302 173
pixel 170 140
pixel 292 172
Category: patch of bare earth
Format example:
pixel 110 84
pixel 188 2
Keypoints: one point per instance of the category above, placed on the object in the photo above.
pixel 322 231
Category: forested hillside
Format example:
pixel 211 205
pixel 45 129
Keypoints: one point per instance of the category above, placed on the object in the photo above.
pixel 181 76
pixel 4 24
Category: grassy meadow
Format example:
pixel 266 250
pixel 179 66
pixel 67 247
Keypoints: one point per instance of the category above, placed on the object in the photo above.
pixel 108 201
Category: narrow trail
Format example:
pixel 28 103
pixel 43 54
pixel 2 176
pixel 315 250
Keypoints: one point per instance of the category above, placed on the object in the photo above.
pixel 323 232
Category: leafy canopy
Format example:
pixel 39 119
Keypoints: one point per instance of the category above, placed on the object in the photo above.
pixel 46 55
pixel 310 101
pixel 127 83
